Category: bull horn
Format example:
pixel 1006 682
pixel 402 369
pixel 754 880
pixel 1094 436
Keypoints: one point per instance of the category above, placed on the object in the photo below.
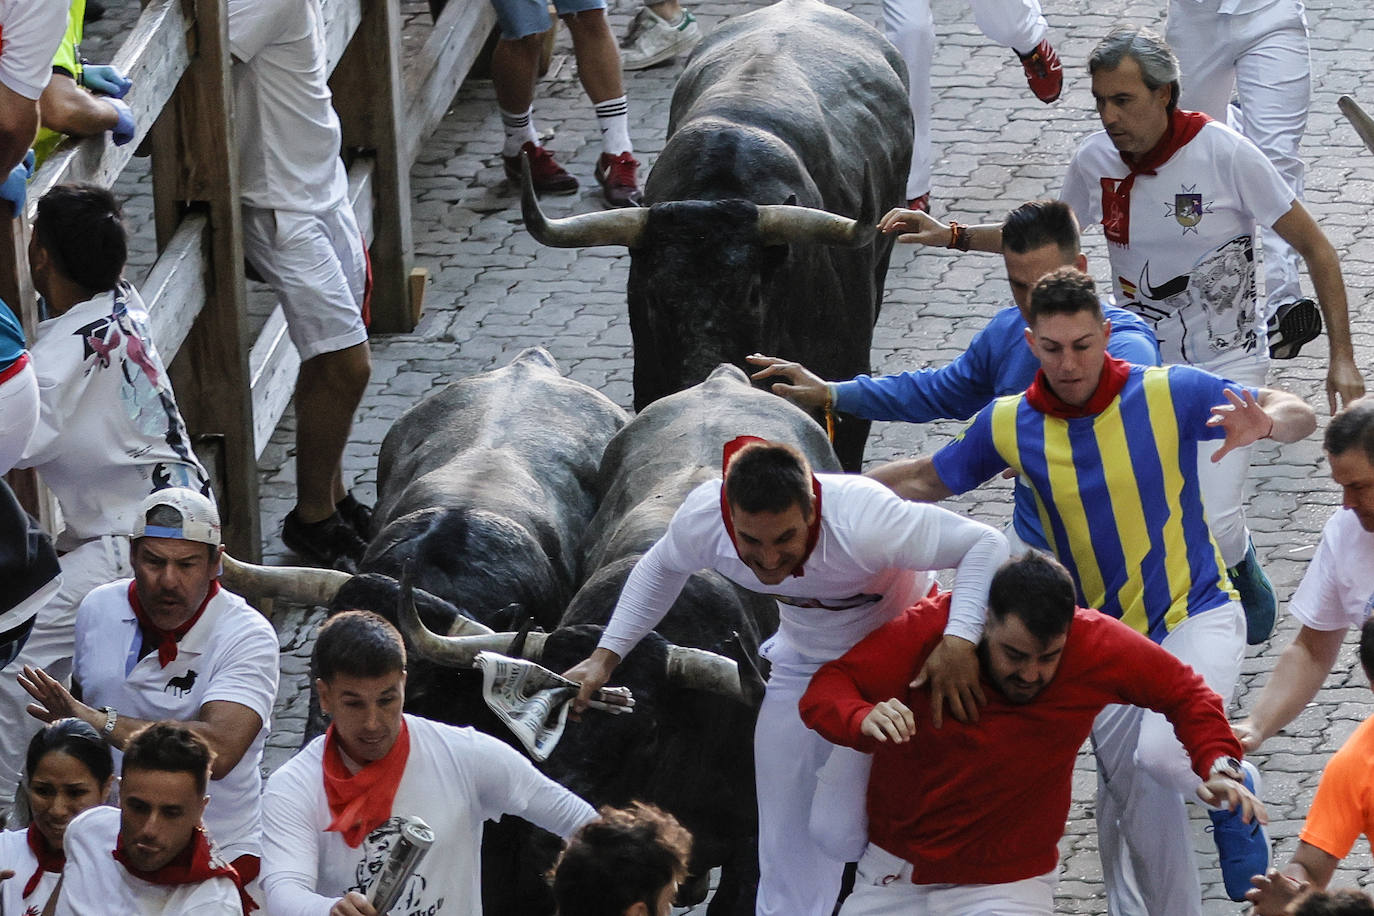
pixel 781 224
pixel 609 227
pixel 456 651
pixel 1362 122
pixel 702 670
pixel 298 584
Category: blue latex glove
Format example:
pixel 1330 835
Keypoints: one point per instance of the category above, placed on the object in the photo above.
pixel 124 128
pixel 15 187
pixel 106 80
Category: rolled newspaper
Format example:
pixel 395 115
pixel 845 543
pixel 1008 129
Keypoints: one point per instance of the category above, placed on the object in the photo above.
pixel 411 845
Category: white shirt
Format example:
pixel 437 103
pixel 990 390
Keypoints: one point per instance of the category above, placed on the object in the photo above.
pixel 455 778
pixel 1190 267
pixel 30 30
pixel 109 431
pixel 94 881
pixel 15 854
pixel 288 132
pixel 1337 591
pixel 230 654
pixel 869 564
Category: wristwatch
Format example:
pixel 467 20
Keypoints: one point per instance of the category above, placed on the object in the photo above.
pixel 1229 767
pixel 111 717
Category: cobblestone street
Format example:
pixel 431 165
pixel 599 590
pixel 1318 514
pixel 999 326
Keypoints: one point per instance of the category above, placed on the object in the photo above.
pixel 494 291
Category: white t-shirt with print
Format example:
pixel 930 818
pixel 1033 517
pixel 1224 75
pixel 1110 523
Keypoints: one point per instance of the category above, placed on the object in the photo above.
pixel 16 855
pixel 230 654
pixel 455 778
pixel 1337 591
pixel 1190 266
pixel 94 881
pixel 30 31
pixel 288 132
pixel 109 431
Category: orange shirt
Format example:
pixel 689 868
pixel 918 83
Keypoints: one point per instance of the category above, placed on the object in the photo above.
pixel 1344 806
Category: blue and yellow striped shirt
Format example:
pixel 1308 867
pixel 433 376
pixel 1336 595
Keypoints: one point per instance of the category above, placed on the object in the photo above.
pixel 1117 492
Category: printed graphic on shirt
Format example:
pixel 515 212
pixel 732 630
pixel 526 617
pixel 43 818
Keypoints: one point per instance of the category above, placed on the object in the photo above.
pixel 182 684
pixel 1189 208
pixel 117 342
pixel 1210 309
pixel 828 604
pixel 376 849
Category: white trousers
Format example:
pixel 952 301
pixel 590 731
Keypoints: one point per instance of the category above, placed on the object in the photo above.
pixel 18 415
pixel 1264 56
pixel 50 646
pixel 1223 482
pixel 883 886
pixel 908 24
pixel 796 876
pixel 1144 774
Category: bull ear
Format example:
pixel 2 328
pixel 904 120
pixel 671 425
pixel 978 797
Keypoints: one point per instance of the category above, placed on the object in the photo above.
pixel 791 201
pixel 750 680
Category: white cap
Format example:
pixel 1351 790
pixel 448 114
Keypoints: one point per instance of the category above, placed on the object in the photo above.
pixel 199 517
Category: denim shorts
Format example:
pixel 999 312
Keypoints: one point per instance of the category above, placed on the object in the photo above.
pixel 519 18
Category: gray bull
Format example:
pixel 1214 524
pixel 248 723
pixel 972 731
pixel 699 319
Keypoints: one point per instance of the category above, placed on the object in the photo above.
pixel 687 750
pixel 790 133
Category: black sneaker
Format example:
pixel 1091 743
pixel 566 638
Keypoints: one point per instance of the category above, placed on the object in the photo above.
pixel 1294 324
pixel 330 542
pixel 358 516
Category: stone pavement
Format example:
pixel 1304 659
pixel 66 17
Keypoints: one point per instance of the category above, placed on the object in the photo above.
pixel 495 291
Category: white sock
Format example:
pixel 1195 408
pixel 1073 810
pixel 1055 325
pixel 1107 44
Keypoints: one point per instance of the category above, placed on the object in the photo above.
pixel 519 130
pixel 613 115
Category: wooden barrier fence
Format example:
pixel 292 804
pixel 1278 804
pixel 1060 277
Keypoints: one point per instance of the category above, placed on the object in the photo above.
pixel 233 386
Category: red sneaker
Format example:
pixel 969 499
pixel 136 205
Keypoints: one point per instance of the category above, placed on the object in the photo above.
pixel 1044 73
pixel 921 203
pixel 549 177
pixel 619 179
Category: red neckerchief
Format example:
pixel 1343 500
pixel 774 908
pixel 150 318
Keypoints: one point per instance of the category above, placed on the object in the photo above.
pixel 1109 385
pixel 813 530
pixel 1116 192
pixel 167 639
pixel 195 863
pixel 361 802
pixel 47 859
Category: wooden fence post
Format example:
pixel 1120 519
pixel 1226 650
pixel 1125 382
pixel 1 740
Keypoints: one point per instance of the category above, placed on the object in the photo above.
pixel 368 95
pixel 195 169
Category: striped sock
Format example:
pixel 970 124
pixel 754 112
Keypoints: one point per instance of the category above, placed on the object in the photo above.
pixel 519 130
pixel 613 115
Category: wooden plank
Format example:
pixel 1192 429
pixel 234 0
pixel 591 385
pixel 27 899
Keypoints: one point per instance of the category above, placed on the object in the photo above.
pixel 341 21
pixel 175 289
pixel 196 171
pixel 155 56
pixel 443 64
pixel 367 96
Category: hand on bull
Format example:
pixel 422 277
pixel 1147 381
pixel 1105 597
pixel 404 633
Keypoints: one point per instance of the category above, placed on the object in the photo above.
pixel 800 385
pixel 890 720
pixel 592 673
pixel 952 671
pixel 352 904
pixel 916 227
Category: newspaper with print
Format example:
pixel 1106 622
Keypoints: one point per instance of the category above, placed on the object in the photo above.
pixel 533 701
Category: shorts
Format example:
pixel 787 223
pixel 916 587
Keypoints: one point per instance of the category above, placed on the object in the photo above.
pixel 317 266
pixel 519 18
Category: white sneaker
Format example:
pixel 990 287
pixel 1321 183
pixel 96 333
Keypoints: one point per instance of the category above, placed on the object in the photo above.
pixel 653 40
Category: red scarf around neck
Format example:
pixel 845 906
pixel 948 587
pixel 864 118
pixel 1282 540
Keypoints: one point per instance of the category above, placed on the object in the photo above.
pixel 167 639
pixel 813 530
pixel 1109 385
pixel 361 802
pixel 195 863
pixel 1116 192
pixel 47 859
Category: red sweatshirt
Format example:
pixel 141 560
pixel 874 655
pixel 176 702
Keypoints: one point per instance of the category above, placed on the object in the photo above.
pixel 986 803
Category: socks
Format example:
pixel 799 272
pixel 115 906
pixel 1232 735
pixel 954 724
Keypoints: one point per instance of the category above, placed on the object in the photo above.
pixel 613 116
pixel 520 130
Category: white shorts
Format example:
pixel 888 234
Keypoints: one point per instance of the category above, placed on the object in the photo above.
pixel 317 266
pixel 883 886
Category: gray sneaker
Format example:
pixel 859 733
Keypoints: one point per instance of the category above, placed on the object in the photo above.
pixel 653 40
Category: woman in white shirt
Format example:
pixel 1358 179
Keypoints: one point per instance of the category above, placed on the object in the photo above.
pixel 68 770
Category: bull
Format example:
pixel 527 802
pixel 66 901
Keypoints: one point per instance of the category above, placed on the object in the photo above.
pixel 688 746
pixel 789 133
